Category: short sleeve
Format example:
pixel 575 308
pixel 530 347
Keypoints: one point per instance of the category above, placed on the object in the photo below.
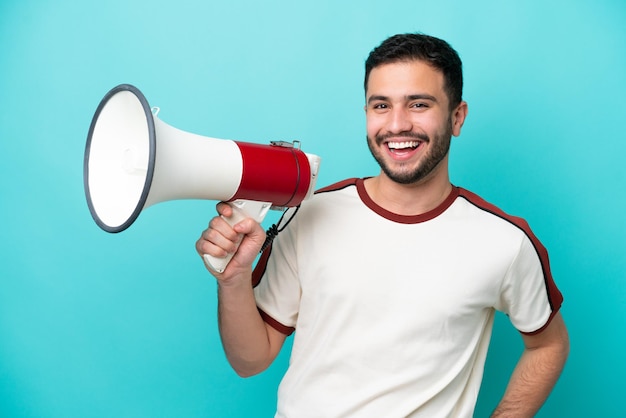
pixel 528 294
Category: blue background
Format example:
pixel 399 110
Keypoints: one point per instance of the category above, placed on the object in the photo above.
pixel 124 325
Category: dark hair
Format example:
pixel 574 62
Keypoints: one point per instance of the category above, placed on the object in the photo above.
pixel 416 46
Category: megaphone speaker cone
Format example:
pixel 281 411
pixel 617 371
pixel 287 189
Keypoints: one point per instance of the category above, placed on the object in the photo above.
pixel 119 158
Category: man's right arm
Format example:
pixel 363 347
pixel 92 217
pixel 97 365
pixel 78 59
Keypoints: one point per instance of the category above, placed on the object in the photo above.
pixel 250 344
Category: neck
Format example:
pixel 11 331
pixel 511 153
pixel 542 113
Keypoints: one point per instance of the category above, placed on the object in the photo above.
pixel 409 199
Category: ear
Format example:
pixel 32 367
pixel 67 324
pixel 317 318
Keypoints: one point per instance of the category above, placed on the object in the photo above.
pixel 458 118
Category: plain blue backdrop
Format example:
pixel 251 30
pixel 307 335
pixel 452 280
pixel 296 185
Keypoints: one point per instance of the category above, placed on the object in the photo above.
pixel 124 325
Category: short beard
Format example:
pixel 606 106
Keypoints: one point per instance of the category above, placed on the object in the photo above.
pixel 441 147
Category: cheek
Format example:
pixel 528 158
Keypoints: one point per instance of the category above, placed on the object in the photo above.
pixel 435 125
pixel 369 127
pixel 374 125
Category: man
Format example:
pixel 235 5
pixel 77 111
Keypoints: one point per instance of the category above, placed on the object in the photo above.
pixel 392 281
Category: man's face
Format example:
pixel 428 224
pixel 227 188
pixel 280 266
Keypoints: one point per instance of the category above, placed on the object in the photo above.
pixel 409 123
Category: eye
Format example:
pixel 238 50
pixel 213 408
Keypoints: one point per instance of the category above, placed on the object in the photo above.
pixel 419 105
pixel 379 107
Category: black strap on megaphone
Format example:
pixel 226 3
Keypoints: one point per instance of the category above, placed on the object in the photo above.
pixel 274 230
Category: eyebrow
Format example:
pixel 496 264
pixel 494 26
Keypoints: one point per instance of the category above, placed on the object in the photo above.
pixel 408 98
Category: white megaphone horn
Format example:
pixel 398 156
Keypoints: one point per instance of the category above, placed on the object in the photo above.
pixel 134 160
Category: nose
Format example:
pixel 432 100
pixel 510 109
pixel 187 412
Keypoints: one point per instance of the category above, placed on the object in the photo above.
pixel 399 121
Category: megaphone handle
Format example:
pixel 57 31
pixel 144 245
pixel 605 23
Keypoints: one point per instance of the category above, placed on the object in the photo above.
pixel 242 209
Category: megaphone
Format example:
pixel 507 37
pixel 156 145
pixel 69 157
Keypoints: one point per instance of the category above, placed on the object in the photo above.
pixel 134 160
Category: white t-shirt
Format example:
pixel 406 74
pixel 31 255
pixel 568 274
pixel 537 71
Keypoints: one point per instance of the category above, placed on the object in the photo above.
pixel 393 314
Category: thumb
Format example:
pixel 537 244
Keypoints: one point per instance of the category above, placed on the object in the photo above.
pixel 252 240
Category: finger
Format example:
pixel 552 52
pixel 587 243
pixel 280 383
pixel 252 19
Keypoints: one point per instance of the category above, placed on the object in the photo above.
pixel 218 240
pixel 204 247
pixel 224 209
pixel 223 227
pixel 249 228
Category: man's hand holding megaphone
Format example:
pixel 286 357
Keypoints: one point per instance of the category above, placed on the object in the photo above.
pixel 242 241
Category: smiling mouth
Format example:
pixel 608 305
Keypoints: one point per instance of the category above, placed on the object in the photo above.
pixel 402 147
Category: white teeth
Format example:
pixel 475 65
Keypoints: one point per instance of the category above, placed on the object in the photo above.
pixel 402 145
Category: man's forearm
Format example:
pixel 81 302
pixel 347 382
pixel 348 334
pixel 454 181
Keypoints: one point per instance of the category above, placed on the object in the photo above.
pixel 534 377
pixel 243 331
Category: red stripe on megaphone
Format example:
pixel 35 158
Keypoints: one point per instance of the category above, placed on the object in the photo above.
pixel 271 173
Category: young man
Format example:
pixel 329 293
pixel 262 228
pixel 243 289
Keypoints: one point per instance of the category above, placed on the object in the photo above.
pixel 391 282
